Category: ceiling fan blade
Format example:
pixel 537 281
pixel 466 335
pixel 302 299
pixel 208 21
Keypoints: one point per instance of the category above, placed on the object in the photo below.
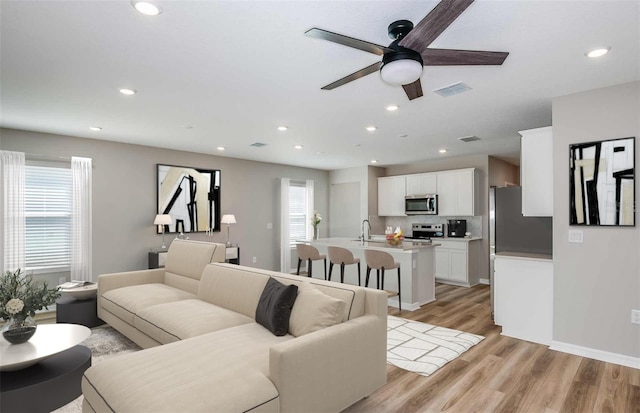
pixel 347 41
pixel 353 76
pixel 452 57
pixel 434 23
pixel 413 90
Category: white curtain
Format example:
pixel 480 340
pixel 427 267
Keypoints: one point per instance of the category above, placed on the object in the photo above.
pixel 13 177
pixel 81 219
pixel 285 247
pixel 310 208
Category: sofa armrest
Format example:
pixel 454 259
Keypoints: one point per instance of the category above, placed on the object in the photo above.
pixel 332 368
pixel 112 281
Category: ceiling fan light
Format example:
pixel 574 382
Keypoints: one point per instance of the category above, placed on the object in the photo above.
pixel 401 67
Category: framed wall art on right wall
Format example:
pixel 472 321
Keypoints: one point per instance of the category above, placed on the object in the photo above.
pixel 602 183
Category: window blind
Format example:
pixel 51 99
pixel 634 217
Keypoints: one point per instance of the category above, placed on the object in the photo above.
pixel 297 212
pixel 47 217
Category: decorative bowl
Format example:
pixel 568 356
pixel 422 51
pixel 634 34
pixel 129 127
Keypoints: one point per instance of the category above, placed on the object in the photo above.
pixel 395 242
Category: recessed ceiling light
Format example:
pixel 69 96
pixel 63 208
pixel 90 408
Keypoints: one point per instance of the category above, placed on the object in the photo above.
pixel 403 136
pixel 188 127
pixel 221 148
pixel 374 161
pixel 598 52
pixel 128 92
pixel 146 8
pixel 282 128
pixel 442 151
pixel 298 146
pixel 371 128
pixel 391 108
pixel 95 128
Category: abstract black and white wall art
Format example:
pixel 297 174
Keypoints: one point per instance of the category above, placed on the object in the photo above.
pixel 191 196
pixel 602 182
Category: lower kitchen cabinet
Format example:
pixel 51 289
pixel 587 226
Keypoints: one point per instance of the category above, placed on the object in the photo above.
pixel 456 260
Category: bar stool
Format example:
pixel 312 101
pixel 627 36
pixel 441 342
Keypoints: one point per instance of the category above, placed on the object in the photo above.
pixel 309 254
pixel 380 261
pixel 342 257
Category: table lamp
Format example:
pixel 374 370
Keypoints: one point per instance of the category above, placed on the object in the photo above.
pixel 162 220
pixel 228 219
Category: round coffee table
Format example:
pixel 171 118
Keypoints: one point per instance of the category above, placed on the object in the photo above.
pixel 48 340
pixel 44 373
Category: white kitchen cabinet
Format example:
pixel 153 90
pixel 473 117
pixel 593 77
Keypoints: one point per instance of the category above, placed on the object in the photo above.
pixel 457 192
pixel 523 297
pixel 421 184
pixel 456 261
pixel 391 193
pixel 536 172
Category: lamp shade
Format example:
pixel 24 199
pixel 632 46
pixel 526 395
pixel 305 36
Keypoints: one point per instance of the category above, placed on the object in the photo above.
pixel 401 72
pixel 228 219
pixel 163 219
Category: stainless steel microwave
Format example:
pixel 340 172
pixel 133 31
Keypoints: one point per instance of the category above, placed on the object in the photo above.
pixel 426 204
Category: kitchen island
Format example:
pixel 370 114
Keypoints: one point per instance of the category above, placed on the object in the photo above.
pixel 416 268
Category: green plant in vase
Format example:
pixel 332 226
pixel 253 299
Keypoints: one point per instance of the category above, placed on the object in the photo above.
pixel 315 221
pixel 20 298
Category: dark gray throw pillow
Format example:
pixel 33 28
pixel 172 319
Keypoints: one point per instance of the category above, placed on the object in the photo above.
pixel 274 307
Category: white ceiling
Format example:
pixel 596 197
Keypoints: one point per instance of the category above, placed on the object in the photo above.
pixel 235 70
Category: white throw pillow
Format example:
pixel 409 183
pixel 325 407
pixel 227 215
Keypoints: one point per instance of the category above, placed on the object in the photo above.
pixel 314 310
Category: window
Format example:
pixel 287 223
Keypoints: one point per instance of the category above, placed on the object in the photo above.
pixel 297 212
pixel 47 217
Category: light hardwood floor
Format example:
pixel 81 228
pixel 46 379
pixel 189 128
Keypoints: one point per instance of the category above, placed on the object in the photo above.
pixel 501 374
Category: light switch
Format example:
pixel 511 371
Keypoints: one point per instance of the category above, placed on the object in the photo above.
pixel 575 236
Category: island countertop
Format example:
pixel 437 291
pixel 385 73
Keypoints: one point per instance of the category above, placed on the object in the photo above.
pixel 407 245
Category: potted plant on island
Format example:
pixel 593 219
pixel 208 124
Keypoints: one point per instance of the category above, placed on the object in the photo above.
pixel 20 298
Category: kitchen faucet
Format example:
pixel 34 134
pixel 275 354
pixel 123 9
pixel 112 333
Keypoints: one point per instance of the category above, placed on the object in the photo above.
pixel 369 234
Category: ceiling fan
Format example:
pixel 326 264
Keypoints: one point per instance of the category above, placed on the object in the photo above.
pixel 403 59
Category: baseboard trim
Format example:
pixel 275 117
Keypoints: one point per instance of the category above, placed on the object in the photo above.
pixel 484 281
pixel 606 356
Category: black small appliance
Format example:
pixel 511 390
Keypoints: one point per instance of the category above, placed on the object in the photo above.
pixel 456 228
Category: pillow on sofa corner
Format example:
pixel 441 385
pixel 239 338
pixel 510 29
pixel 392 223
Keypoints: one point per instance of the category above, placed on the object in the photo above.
pixel 274 307
pixel 313 311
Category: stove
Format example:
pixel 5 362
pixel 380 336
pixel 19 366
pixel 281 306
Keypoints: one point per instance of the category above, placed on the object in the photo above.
pixel 427 231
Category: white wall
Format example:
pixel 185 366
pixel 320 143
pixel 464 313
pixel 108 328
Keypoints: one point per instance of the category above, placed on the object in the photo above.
pixel 596 283
pixel 124 197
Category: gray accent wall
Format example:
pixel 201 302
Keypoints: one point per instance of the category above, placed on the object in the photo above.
pixel 124 197
pixel 596 283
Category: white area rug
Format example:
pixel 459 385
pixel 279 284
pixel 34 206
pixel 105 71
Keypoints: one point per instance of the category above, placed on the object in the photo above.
pixel 424 348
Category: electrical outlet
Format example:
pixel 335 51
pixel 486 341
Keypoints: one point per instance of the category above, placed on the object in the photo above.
pixel 255 260
pixel 635 316
pixel 575 236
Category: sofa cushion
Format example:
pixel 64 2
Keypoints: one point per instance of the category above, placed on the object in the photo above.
pixel 233 287
pixel 313 311
pixel 186 260
pixel 274 307
pixel 223 371
pixel 182 319
pixel 126 302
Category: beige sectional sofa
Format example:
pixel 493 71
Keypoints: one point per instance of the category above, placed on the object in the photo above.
pixel 205 352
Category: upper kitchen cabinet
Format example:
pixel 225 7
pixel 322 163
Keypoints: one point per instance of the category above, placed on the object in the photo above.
pixel 457 192
pixel 536 172
pixel 421 184
pixel 391 193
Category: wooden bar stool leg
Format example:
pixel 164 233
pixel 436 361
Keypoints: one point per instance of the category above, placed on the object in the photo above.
pixel 377 278
pixel 309 268
pixel 299 262
pixel 382 286
pixel 325 268
pixel 330 270
pixel 358 274
pixel 399 296
pixel 342 273
pixel 366 279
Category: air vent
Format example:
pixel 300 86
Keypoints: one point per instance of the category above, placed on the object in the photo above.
pixel 469 139
pixel 452 89
pixel 258 144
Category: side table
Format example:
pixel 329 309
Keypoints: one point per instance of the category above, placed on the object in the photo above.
pixel 72 311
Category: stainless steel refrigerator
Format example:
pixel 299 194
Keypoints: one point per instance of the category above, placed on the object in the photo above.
pixel 509 231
